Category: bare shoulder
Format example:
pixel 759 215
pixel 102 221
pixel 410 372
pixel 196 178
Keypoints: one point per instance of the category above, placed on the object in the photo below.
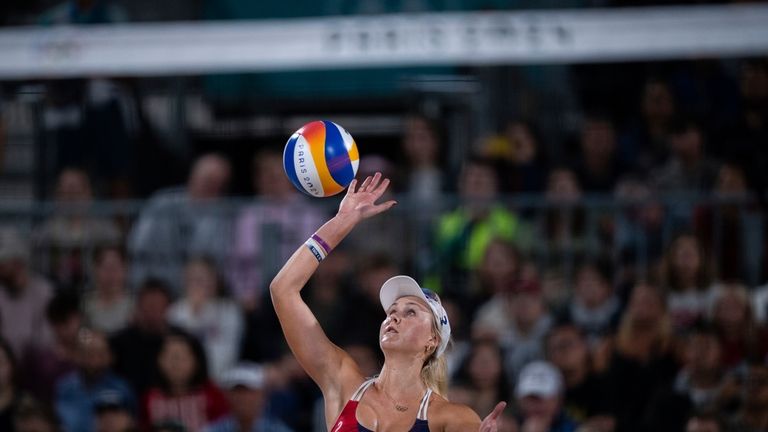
pixel 446 416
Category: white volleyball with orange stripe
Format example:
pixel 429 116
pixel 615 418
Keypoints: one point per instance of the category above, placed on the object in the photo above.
pixel 321 158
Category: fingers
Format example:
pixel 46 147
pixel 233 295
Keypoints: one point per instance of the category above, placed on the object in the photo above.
pixel 381 208
pixel 379 190
pixel 365 184
pixel 498 410
pixel 389 204
pixel 351 187
pixel 489 423
pixel 374 184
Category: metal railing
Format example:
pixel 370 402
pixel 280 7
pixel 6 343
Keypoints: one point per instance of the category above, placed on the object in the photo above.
pixel 244 233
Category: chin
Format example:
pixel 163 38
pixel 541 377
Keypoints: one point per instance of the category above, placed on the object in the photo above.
pixel 388 345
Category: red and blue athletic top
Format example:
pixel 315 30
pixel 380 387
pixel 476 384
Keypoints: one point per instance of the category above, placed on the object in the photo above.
pixel 347 421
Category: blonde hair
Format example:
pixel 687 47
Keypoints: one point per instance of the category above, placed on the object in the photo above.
pixel 434 372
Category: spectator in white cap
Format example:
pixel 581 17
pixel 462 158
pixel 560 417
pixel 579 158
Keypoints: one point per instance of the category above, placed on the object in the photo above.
pixel 246 390
pixel 539 394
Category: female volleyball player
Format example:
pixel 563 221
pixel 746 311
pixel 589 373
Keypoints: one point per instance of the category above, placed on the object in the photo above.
pixel 408 394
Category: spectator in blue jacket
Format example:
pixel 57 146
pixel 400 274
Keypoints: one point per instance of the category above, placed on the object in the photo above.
pixel 77 392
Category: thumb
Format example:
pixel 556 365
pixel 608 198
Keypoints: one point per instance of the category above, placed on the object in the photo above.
pixel 380 208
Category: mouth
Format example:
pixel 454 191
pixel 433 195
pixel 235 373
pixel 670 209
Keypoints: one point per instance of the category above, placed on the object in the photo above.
pixel 390 329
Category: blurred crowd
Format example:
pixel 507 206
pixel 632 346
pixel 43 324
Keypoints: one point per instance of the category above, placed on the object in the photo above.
pixel 631 317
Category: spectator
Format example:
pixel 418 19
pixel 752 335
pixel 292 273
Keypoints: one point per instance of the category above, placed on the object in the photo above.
pixel 464 234
pixel 107 306
pixel 44 366
pixel 639 227
pixel 563 192
pixel 745 139
pixel 33 416
pixel 461 341
pixel 741 338
pixel 598 167
pixel 517 147
pixel 136 347
pixel 705 423
pixel 364 357
pixel 10 391
pixel 539 394
pixel 71 233
pixel 180 223
pixel 753 414
pixel 642 358
pixel 586 395
pixel 328 293
pixel 530 321
pixel 686 277
pixel 424 179
pixel 483 375
pixel 645 144
pixel 281 218
pixel 495 277
pixel 207 313
pixel 114 413
pixel 23 296
pixel 564 231
pixel 364 305
pixel 182 392
pixel 499 270
pixel 76 393
pixel 246 391
pixel 730 227
pixel 687 169
pixel 527 157
pixel 81 114
pixel 696 388
pixel 594 307
pixel 295 395
pixel 374 236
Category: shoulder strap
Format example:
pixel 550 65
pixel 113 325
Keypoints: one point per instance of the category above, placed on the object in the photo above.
pixel 360 390
pixel 422 414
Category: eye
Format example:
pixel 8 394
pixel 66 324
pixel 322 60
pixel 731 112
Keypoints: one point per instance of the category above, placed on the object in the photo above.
pixel 411 312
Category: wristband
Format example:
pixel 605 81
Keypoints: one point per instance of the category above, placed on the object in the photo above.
pixel 316 249
pixel 322 243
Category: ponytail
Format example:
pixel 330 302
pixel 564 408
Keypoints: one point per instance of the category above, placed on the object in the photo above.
pixel 434 373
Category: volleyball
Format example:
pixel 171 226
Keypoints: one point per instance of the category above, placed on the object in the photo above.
pixel 321 158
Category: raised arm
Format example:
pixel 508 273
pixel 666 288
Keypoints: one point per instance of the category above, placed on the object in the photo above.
pixel 326 363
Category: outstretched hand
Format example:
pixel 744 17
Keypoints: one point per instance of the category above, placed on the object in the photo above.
pixel 361 202
pixel 491 422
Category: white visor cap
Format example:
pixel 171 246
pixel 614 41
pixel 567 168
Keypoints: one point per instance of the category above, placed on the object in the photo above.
pixel 401 286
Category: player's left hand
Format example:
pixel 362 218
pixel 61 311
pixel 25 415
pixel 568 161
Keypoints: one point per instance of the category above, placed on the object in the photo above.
pixel 491 422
